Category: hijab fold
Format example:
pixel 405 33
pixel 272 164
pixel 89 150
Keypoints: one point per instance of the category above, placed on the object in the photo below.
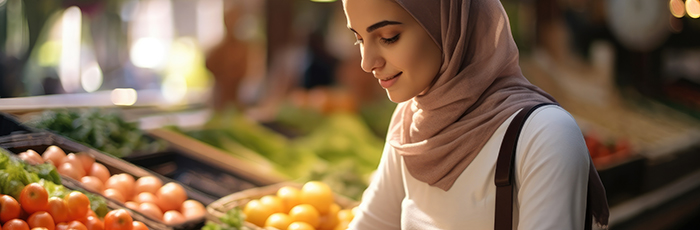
pixel 480 85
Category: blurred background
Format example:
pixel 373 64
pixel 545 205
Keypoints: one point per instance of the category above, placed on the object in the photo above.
pixel 278 84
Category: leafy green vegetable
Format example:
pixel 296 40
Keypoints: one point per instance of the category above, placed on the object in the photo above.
pixel 100 129
pixel 232 220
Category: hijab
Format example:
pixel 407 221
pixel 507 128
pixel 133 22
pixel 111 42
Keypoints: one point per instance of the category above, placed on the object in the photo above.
pixel 479 86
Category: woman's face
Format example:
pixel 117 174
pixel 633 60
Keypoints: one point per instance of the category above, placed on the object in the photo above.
pixel 394 47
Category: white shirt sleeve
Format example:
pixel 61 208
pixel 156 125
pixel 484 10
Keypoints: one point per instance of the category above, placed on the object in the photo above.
pixel 381 202
pixel 552 166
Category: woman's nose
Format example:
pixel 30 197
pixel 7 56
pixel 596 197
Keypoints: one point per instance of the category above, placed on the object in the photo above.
pixel 370 59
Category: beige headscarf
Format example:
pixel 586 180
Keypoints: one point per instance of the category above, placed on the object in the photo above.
pixel 479 86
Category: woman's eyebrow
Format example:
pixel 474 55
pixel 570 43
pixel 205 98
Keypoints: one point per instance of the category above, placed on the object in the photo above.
pixel 381 24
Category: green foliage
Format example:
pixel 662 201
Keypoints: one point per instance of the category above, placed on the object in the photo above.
pixel 233 220
pixel 99 129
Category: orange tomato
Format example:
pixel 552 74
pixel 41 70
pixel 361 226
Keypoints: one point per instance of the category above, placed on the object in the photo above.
pixel 15 224
pixel 77 205
pixel 93 184
pixel 33 198
pixel 146 197
pixel 100 171
pixel 55 155
pixel 330 219
pixel 272 201
pixel 62 226
pixel 132 205
pixel 118 219
pixel 70 170
pixel 76 225
pixel 94 223
pixel 9 208
pixel 114 194
pixel 57 209
pixel 148 184
pixel 173 217
pixel 86 161
pixel 122 182
pixel 31 157
pixel 305 213
pixel 41 219
pixel 171 196
pixel 151 210
pixel 138 225
pixel 193 210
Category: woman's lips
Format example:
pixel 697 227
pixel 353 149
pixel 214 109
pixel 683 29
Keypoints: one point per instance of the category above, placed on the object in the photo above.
pixel 390 81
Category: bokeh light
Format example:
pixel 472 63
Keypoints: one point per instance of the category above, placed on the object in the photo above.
pixel 124 96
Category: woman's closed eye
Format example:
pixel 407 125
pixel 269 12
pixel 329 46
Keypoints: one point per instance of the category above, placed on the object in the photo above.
pixel 391 39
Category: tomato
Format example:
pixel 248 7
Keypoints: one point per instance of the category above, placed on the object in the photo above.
pixel 122 182
pixel 57 209
pixel 173 217
pixel 62 226
pixel 114 194
pixel 76 225
pixel 193 210
pixel 305 213
pixel 77 205
pixel 171 196
pixel 86 161
pixel 9 208
pixel 94 223
pixel 33 198
pixel 317 194
pixel 41 219
pixel 118 219
pixel 15 224
pixel 146 197
pixel 55 155
pixel 93 184
pixel 148 184
pixel 132 205
pixel 138 225
pixel 31 157
pixel 151 210
pixel 100 171
pixel 70 170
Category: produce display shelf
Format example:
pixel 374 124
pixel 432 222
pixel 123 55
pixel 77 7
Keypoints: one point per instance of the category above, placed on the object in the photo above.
pixel 39 142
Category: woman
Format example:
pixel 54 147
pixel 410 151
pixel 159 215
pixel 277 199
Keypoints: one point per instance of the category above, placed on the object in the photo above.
pixel 452 66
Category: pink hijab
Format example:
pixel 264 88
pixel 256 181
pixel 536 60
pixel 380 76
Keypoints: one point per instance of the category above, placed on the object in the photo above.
pixel 479 86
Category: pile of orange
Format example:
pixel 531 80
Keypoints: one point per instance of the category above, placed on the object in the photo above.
pixel 310 208
pixel 35 209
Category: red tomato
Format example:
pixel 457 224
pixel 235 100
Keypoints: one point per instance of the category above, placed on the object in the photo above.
pixel 147 184
pixel 76 225
pixel 62 226
pixel 86 161
pixel 77 205
pixel 70 170
pixel 94 223
pixel 15 224
pixel 93 184
pixel 34 198
pixel 100 171
pixel 41 219
pixel 138 225
pixel 9 208
pixel 171 196
pixel 57 209
pixel 118 219
pixel 122 182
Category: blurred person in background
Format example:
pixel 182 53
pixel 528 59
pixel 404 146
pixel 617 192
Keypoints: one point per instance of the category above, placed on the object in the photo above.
pixel 453 68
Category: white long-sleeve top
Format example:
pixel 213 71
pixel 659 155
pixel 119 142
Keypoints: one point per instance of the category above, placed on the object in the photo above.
pixel 551 174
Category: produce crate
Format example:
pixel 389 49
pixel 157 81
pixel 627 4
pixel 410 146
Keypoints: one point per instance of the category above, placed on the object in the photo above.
pixel 10 125
pixel 111 204
pixel 213 180
pixel 218 208
pixel 39 142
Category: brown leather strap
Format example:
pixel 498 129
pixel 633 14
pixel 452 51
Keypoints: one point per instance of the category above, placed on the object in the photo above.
pixel 504 170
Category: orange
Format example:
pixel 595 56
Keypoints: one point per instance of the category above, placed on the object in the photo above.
pixel 300 226
pixel 278 220
pixel 257 213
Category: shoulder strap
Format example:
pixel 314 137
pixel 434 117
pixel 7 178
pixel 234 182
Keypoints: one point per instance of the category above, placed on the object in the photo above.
pixel 504 169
